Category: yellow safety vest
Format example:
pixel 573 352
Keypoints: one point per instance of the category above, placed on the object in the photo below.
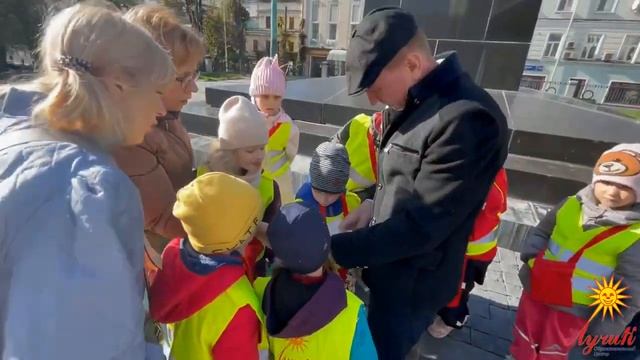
pixel 265 188
pixel 194 337
pixel 201 170
pixel 362 173
pixel 276 162
pixel 332 342
pixel 597 261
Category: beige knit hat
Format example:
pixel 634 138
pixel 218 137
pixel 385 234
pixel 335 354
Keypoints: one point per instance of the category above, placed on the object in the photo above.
pixel 620 165
pixel 241 125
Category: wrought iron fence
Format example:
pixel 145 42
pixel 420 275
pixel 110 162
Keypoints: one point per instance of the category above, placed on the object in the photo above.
pixel 616 93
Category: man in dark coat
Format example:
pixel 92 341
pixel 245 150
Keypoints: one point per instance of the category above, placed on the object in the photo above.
pixel 444 141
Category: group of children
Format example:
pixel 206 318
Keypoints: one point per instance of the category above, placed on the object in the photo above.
pixel 253 277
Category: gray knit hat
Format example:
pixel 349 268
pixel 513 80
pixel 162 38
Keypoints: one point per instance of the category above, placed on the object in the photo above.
pixel 329 169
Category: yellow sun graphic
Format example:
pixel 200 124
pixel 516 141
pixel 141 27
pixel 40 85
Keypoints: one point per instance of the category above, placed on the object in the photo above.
pixel 607 297
pixel 296 345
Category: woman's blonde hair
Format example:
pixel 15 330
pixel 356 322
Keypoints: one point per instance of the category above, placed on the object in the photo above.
pixel 185 46
pixel 81 47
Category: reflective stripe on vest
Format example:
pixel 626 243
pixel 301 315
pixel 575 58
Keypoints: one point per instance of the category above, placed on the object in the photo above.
pixel 194 337
pixel 489 218
pixel 484 244
pixel 597 261
pixel 331 342
pixel 276 161
pixel 362 154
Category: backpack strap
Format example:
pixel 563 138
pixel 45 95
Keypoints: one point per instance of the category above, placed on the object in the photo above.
pixel 597 239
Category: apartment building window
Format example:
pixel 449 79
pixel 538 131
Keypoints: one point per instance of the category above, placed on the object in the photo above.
pixel 356 13
pixel 267 22
pixel 606 5
pixel 592 46
pixel 623 93
pixel 290 46
pixel 292 23
pixel 333 20
pixel 565 5
pixel 267 44
pixel 255 45
pixel 629 50
pixel 552 45
pixel 535 82
pixel 315 25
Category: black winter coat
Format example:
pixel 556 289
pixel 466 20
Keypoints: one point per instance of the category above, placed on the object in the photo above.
pixel 437 160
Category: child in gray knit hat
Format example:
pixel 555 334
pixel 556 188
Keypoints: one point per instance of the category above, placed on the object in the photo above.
pixel 326 190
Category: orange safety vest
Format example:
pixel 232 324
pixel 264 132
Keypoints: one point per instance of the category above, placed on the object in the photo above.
pixel 483 242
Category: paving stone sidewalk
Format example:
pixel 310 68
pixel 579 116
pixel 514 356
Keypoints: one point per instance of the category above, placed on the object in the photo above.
pixel 487 334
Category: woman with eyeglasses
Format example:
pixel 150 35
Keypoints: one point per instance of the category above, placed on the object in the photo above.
pixel 70 220
pixel 164 162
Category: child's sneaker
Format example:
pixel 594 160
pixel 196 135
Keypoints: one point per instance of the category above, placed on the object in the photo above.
pixel 439 329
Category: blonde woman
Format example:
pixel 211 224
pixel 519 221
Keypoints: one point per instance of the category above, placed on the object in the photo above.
pixel 71 226
pixel 163 163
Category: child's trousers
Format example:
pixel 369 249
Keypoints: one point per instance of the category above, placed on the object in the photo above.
pixel 543 333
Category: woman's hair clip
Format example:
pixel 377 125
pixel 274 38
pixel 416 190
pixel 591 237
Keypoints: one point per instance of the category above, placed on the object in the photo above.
pixel 74 63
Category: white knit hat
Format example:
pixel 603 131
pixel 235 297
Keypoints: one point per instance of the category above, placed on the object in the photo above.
pixel 241 125
pixel 620 165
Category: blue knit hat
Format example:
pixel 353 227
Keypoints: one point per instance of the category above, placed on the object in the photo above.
pixel 299 238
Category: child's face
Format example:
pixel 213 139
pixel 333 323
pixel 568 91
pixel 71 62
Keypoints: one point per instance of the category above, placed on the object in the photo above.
pixel 324 198
pixel 269 104
pixel 613 196
pixel 250 158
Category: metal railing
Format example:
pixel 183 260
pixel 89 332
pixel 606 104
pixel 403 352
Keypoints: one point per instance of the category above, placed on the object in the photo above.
pixel 616 93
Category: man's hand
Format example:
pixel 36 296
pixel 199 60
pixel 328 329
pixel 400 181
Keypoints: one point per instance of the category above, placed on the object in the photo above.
pixel 359 218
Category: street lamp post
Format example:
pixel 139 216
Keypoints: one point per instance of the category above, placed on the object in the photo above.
pixel 274 27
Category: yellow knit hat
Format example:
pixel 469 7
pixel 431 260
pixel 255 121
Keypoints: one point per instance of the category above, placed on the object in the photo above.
pixel 218 211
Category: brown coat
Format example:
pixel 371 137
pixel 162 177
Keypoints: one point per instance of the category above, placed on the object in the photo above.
pixel 159 167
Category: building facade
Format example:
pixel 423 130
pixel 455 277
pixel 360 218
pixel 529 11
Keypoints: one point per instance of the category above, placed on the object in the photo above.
pixel 328 26
pixel 491 37
pixel 587 49
pixel 258 29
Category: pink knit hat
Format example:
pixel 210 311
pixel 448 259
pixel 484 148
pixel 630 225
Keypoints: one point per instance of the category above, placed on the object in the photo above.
pixel 267 78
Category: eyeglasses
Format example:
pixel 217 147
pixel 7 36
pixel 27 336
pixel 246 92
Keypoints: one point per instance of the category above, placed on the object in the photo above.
pixel 186 80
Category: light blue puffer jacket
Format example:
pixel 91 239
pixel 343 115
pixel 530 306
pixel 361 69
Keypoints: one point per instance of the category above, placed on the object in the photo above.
pixel 71 249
